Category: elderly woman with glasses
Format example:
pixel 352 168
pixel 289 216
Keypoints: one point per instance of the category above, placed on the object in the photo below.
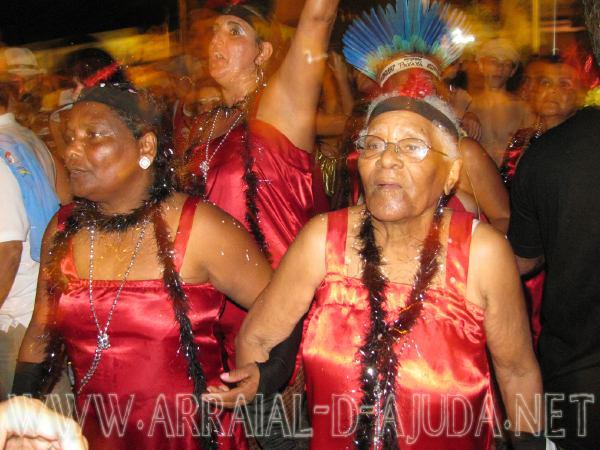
pixel 409 298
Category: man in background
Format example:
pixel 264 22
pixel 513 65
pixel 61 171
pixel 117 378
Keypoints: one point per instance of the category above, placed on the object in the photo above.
pixel 27 202
pixel 500 113
pixel 555 203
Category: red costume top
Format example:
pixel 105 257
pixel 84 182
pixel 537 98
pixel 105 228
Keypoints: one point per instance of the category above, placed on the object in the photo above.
pixel 286 197
pixel 142 380
pixel 443 388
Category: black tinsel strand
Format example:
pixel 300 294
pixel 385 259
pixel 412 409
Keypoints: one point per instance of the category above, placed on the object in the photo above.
pixel 376 283
pixel 174 285
pixel 252 212
pixel 379 361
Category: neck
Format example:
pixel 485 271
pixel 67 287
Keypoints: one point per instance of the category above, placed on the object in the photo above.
pixel 553 121
pixel 236 92
pixel 403 233
pixel 124 203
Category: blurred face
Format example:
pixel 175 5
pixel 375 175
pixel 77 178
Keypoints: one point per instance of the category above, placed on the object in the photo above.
pixel 395 188
pixel 557 91
pixel 102 154
pixel 233 50
pixel 496 71
pixel 530 75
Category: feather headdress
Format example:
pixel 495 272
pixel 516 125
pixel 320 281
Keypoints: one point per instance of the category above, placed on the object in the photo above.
pixel 412 34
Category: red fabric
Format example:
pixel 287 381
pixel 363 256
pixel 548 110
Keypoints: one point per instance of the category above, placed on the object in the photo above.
pixel 143 364
pixel 285 196
pixel 442 360
pixel 355 183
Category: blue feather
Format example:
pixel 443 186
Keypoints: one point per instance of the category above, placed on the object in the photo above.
pixel 411 26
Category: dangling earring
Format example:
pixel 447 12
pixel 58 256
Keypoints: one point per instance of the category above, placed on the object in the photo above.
pixel 145 162
pixel 260 77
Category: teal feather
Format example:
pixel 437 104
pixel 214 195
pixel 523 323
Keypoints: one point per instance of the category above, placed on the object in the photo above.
pixel 411 26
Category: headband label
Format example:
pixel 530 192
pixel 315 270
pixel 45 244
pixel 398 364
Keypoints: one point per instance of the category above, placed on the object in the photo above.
pixel 406 63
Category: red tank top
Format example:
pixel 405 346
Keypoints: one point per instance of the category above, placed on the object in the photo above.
pixel 443 388
pixel 142 380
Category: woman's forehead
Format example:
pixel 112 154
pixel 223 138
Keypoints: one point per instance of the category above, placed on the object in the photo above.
pixel 399 120
pixel 228 19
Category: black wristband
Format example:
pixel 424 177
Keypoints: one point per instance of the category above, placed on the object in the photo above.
pixel 527 441
pixel 28 378
pixel 278 369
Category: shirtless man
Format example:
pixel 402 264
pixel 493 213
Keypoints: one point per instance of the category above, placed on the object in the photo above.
pixel 500 112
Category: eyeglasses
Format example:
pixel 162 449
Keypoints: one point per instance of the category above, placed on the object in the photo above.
pixel 410 149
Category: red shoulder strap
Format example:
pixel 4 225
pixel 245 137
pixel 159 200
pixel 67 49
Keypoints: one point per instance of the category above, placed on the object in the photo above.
pixel 459 245
pixel 184 229
pixel 337 230
pixel 67 264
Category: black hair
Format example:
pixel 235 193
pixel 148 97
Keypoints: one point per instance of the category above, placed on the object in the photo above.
pixel 86 62
pixel 141 113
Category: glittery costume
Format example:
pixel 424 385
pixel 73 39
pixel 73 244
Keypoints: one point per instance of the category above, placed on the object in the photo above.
pixel 143 365
pixel 443 367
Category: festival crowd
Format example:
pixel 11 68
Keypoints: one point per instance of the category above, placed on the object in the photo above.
pixel 376 235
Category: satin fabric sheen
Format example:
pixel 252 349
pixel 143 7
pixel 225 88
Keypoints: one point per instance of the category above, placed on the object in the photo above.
pixel 443 385
pixel 143 370
pixel 288 195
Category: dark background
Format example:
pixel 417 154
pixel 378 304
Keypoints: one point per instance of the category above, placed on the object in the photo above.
pixel 25 21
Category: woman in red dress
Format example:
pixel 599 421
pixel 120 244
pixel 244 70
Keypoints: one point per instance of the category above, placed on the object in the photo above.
pixel 409 295
pixel 251 156
pixel 133 300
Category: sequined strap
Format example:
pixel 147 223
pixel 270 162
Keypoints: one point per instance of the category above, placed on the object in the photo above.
pixel 184 230
pixel 457 258
pixel 337 228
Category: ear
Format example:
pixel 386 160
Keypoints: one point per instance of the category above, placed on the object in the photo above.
pixel 453 176
pixel 147 145
pixel 265 52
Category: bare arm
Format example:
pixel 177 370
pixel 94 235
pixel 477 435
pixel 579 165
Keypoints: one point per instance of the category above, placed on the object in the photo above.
pixel 290 101
pixel 224 252
pixel 480 178
pixel 10 255
pixel 495 281
pixel 33 347
pixel 288 296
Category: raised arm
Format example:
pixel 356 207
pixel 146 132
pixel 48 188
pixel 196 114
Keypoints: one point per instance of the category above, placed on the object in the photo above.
pixel 287 298
pixel 480 178
pixel 289 103
pixel 224 252
pixel 495 281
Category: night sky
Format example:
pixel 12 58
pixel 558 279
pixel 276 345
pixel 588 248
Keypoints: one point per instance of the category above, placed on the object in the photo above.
pixel 25 21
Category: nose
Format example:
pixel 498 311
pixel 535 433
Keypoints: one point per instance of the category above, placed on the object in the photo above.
pixel 73 151
pixel 391 157
pixel 215 40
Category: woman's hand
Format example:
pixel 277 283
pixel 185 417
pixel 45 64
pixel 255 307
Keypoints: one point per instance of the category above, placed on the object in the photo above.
pixel 27 424
pixel 246 378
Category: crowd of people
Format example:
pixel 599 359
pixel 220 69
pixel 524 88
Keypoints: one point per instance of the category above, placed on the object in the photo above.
pixel 297 247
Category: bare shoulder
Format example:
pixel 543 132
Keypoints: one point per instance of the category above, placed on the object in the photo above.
pixel 470 148
pixel 488 244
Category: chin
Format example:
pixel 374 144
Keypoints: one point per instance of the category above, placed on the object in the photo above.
pixel 385 210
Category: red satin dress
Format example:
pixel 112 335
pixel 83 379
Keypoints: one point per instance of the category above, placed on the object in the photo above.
pixel 286 197
pixel 443 388
pixel 142 382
